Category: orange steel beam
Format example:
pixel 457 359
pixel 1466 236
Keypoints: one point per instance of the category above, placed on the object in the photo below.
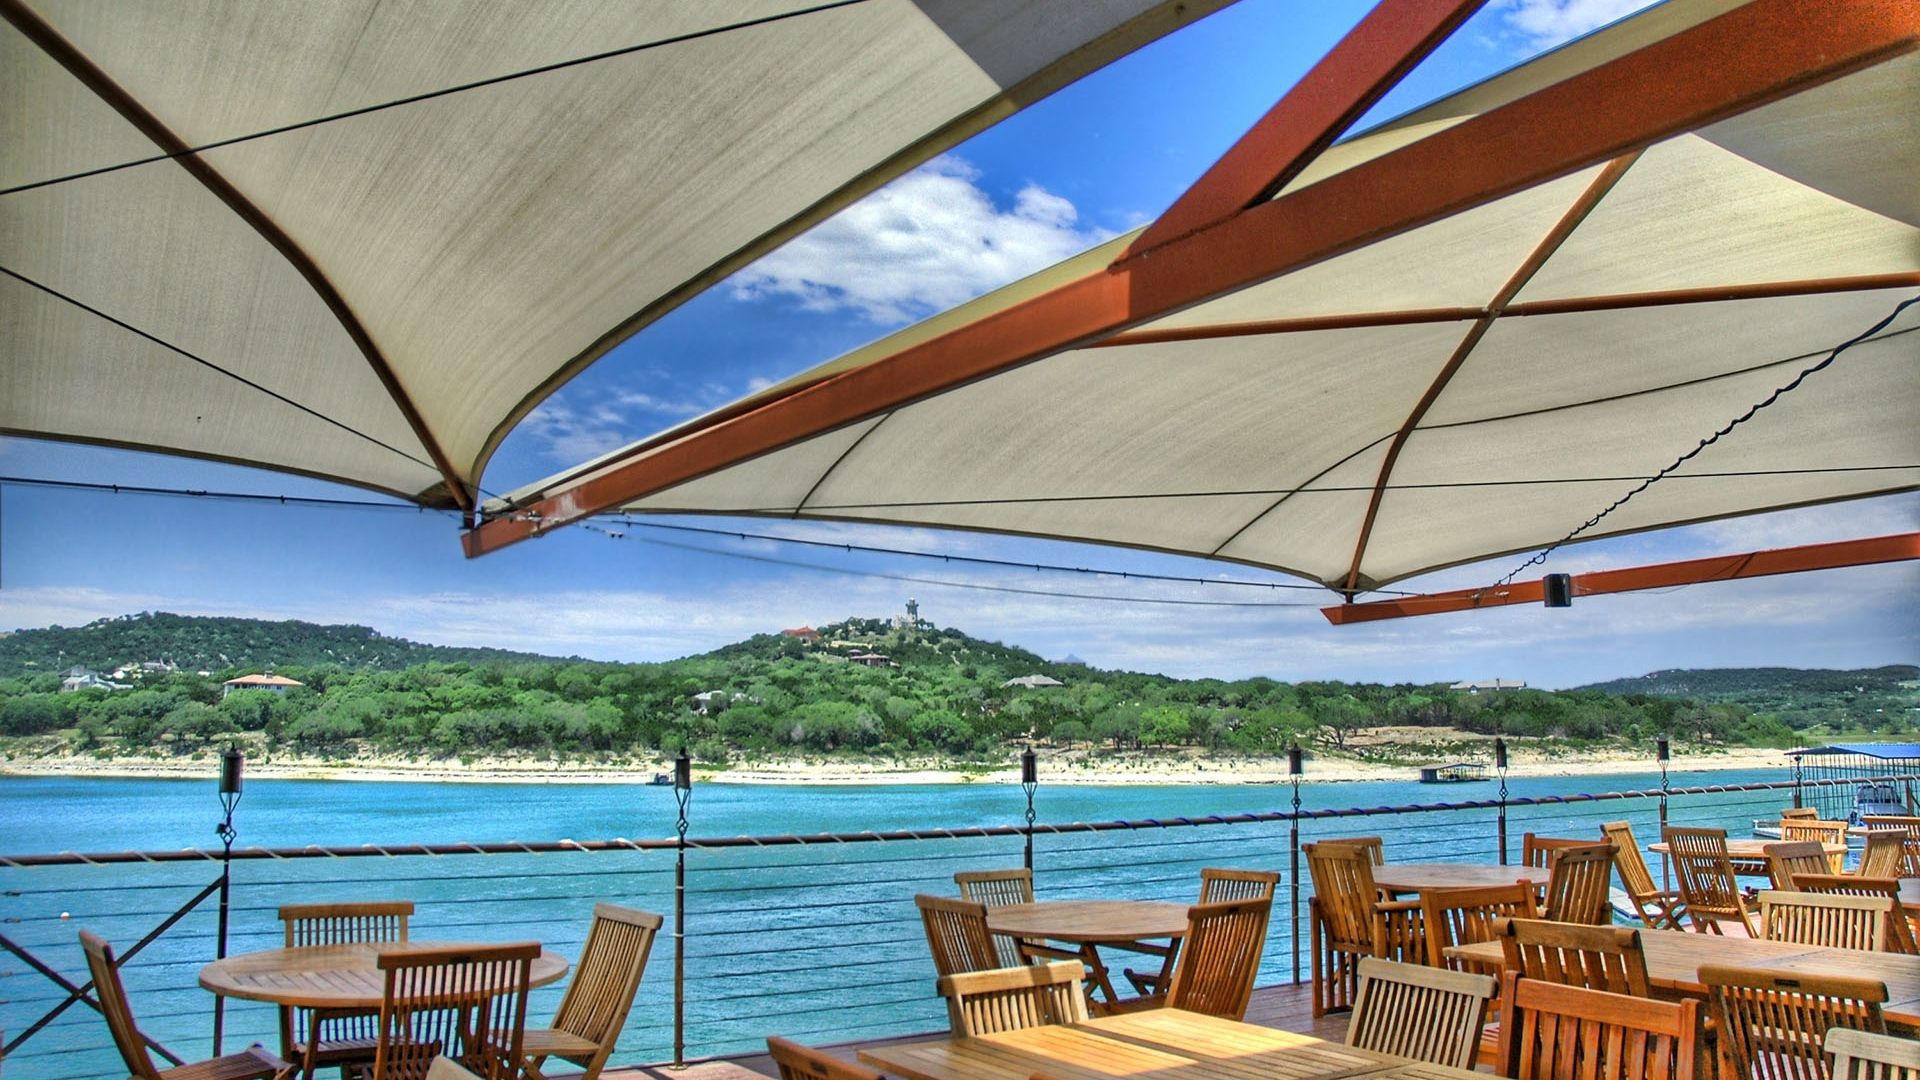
pixel 1747 57
pixel 1370 60
pixel 1879 549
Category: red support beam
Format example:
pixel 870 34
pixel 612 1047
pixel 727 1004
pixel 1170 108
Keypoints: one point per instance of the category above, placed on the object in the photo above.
pixel 1794 560
pixel 1747 57
pixel 1369 61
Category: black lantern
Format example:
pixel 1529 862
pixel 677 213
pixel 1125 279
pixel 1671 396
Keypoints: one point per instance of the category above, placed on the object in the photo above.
pixel 1500 754
pixel 683 772
pixel 230 763
pixel 1661 749
pixel 1557 590
pixel 1029 767
pixel 1294 760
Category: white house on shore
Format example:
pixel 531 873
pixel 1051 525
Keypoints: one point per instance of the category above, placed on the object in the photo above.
pixel 1474 686
pixel 278 684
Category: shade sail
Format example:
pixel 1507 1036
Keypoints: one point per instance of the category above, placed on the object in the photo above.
pixel 1481 382
pixel 403 285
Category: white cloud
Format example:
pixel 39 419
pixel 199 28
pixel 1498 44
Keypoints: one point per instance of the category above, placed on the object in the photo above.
pixel 579 424
pixel 922 244
pixel 1546 23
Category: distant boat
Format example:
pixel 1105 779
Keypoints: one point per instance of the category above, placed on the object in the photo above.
pixel 1458 773
pixel 661 779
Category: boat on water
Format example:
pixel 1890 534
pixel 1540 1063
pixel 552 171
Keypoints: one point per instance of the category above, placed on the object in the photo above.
pixel 660 779
pixel 1869 799
pixel 1462 772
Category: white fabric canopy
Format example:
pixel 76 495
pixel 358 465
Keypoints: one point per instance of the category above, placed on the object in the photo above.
pixel 489 243
pixel 1269 445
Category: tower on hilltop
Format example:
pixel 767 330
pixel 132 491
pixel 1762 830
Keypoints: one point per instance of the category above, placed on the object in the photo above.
pixel 911 620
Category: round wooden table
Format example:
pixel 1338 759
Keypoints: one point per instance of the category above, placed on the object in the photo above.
pixel 330 976
pixel 1088 924
pixel 1418 877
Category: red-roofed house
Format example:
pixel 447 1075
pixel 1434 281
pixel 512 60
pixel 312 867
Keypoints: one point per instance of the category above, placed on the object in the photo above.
pixel 279 684
pixel 805 633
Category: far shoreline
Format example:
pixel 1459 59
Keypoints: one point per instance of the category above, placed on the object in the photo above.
pixel 1056 768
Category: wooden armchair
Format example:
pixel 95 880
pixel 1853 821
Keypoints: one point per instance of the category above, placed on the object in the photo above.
pixel 1004 888
pixel 1835 922
pixel 1349 921
pixel 1900 930
pixel 1007 999
pixel 467 1002
pixel 1784 860
pixel 957 935
pixel 1659 909
pixel 1708 886
pixel 1216 885
pixel 1374 846
pixel 1579 878
pixel 1885 855
pixel 1593 957
pixel 1800 813
pixel 797 1062
pixel 1220 957
pixel 1813 830
pixel 1910 828
pixel 1538 850
pixel 1858 1055
pixel 1420 1012
pixel 588 1022
pixel 1773 1024
pixel 1552 1031
pixel 324 1038
pixel 254 1063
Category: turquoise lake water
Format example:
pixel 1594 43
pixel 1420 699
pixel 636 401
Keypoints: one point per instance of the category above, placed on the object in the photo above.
pixel 820 942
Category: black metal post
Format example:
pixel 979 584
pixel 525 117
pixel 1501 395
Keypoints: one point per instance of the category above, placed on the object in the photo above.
pixel 1293 857
pixel 1662 750
pixel 231 763
pixel 1500 763
pixel 1799 798
pixel 682 793
pixel 1029 780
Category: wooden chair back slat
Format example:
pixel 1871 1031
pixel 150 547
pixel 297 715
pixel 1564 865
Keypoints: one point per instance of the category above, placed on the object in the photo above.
pixel 1220 957
pixel 1835 922
pixel 467 1002
pixel 797 1062
pixel 1885 855
pixel 1593 957
pixel 1800 813
pixel 1551 1031
pixel 1821 832
pixel 1374 846
pixel 1008 999
pixel 1788 858
pixel 1775 1025
pixel 105 971
pixel 1858 1055
pixel 612 963
pixel 1910 844
pixel 1344 889
pixel 1707 883
pixel 1900 930
pixel 999 888
pixel 1466 916
pixel 378 921
pixel 957 935
pixel 1217 885
pixel 1538 850
pixel 1579 880
pixel 1420 1012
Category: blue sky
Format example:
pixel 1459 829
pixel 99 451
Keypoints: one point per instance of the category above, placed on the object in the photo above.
pixel 1099 157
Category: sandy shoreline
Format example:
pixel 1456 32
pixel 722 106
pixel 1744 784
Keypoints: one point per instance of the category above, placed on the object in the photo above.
pixel 1077 767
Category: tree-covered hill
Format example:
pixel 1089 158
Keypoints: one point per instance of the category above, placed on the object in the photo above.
pixel 1864 698
pixel 212 643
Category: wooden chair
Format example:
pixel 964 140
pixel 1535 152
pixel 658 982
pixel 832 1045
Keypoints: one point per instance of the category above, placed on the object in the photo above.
pixel 1216 885
pixel 1578 884
pixel 1775 1025
pixel 1220 957
pixel 1658 909
pixel 1708 886
pixel 588 1022
pixel 1822 832
pixel 1348 921
pixel 797 1062
pixel 1557 1032
pixel 1800 813
pixel 1420 1012
pixel 1008 999
pixel 1538 850
pixel 468 1002
pixel 1466 916
pixel 1910 826
pixel 1784 860
pixel 1858 1055
pixel 323 1038
pixel 445 1068
pixel 254 1063
pixel 996 888
pixel 1900 931
pixel 1374 846
pixel 1885 855
pixel 957 935
pixel 1835 922
pixel 1593 957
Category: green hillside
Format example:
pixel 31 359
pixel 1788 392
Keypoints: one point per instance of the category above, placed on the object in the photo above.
pixel 1861 700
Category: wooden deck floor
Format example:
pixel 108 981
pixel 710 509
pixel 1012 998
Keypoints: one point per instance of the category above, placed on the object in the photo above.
pixel 1287 1007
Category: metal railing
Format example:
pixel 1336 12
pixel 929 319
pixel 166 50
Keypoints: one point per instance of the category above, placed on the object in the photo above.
pixel 810 936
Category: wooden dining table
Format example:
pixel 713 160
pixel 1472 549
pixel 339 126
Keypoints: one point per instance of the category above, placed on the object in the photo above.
pixel 1749 856
pixel 1130 925
pixel 1164 1044
pixel 1674 958
pixel 1420 877
pixel 331 976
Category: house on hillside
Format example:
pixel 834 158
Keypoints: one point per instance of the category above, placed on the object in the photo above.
pixel 278 684
pixel 79 678
pixel 1033 681
pixel 711 701
pixel 1475 686
pixel 871 659
pixel 805 633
